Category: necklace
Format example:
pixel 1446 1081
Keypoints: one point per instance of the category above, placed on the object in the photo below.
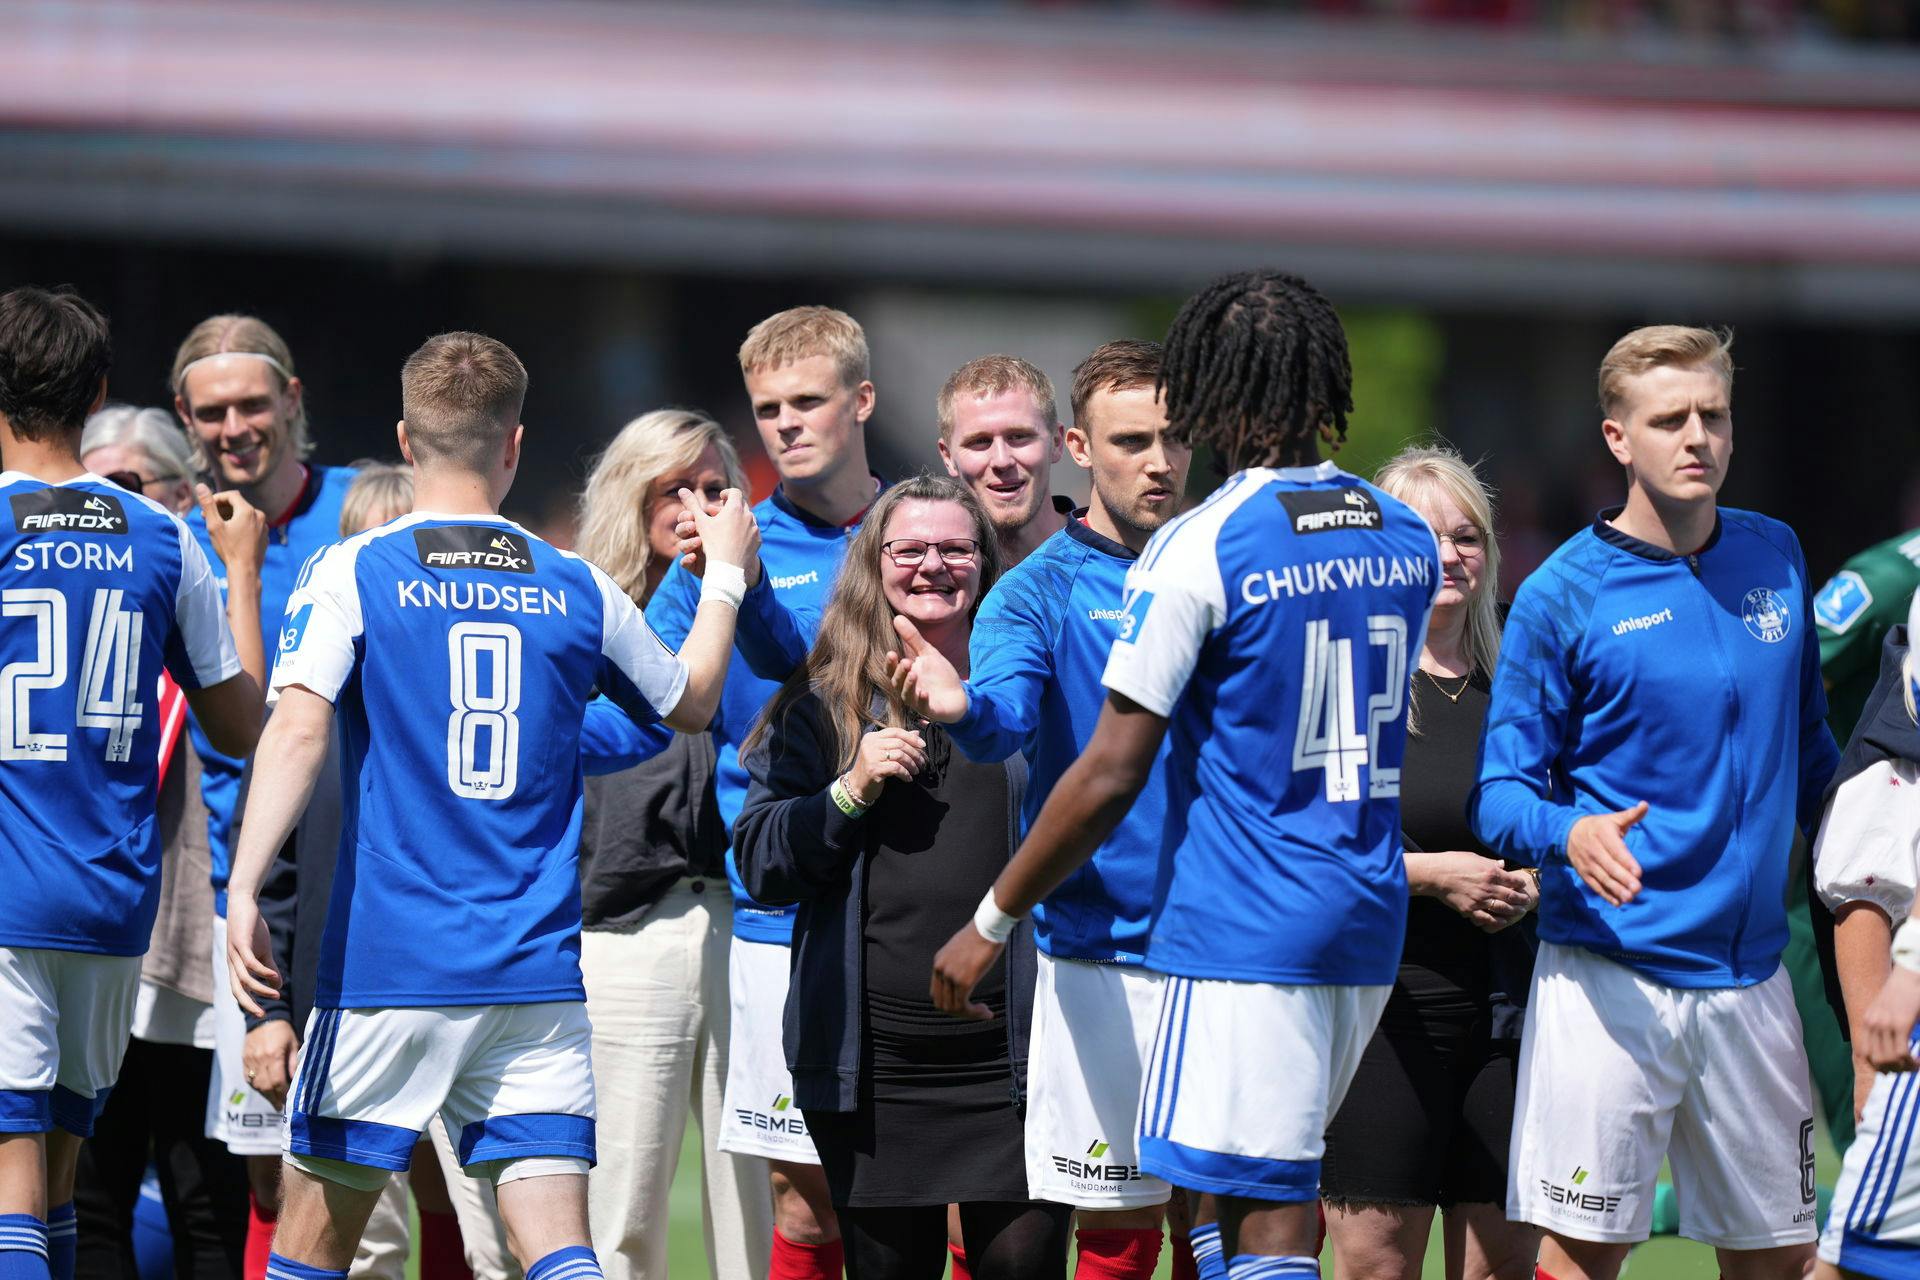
pixel 1465 680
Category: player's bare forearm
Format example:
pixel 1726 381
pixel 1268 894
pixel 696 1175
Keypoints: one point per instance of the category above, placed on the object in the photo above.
pixel 706 653
pixel 293 748
pixel 243 619
pixel 1086 804
pixel 1862 954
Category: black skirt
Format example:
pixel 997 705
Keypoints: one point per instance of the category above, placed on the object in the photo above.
pixel 938 1121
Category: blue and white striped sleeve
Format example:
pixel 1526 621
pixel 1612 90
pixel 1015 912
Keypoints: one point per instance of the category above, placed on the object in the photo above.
pixel 638 673
pixel 316 649
pixel 204 654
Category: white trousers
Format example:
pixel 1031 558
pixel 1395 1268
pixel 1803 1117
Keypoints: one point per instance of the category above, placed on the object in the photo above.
pixel 657 997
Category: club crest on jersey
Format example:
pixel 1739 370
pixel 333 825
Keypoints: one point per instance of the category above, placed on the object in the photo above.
pixel 1842 601
pixel 1766 615
pixel 1324 510
pixel 58 510
pixel 473 546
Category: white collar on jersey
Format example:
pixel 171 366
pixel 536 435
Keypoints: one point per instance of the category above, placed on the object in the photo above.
pixel 1302 475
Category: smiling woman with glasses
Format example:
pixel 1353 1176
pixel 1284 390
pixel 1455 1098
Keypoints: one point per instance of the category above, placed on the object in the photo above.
pixel 884 834
pixel 143 451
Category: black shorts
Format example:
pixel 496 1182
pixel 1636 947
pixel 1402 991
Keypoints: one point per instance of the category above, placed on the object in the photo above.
pixel 1428 1117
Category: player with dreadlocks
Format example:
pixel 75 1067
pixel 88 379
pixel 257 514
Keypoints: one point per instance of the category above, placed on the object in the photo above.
pixel 1269 630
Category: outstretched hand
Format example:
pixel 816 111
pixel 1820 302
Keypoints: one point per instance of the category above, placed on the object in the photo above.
pixel 1884 1036
pixel 250 971
pixel 1597 848
pixel 714 528
pixel 923 678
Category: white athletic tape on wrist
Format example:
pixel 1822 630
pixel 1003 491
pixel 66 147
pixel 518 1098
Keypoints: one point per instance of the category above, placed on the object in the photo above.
pixel 994 924
pixel 1906 946
pixel 726 583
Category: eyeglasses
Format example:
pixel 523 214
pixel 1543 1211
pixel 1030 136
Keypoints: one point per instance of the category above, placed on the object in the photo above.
pixel 911 553
pixel 134 482
pixel 1467 543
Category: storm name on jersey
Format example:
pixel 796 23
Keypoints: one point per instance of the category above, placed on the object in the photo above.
pixel 60 510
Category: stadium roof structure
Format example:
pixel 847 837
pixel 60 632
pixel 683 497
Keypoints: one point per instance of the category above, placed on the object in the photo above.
pixel 991 147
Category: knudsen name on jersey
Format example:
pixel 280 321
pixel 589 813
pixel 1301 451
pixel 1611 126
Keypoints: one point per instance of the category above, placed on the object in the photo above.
pixel 473 546
pixel 1324 510
pixel 58 510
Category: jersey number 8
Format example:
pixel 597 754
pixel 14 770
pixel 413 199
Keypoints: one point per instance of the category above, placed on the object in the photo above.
pixel 483 733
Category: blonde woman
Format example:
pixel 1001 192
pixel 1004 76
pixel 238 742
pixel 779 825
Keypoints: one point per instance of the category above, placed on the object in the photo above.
pixel 1427 1120
pixel 658 914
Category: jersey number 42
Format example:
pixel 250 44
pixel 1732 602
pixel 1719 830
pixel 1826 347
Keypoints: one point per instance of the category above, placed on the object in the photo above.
pixel 1331 736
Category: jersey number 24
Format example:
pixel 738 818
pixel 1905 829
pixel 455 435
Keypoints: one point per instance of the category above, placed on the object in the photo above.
pixel 108 693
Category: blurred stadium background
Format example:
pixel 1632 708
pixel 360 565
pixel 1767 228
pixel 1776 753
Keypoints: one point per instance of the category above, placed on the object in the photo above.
pixel 1492 190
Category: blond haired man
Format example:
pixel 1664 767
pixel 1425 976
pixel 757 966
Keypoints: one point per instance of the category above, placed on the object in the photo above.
pixel 1657 730
pixel 461 651
pixel 1000 436
pixel 806 373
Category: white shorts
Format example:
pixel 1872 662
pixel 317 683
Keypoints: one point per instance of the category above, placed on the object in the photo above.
pixel 1093 1029
pixel 1618 1071
pixel 64 1018
pixel 511 1081
pixel 236 1114
pixel 1873 1227
pixel 1243 1079
pixel 758 1117
pixel 162 1015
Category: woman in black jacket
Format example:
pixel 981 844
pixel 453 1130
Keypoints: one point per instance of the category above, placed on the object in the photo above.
pixel 883 834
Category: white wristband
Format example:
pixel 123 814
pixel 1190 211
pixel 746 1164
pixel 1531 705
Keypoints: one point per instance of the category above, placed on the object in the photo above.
pixel 994 924
pixel 726 583
pixel 1906 946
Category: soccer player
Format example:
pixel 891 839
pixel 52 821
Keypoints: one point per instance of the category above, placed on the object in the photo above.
pixel 1656 729
pixel 1000 436
pixel 806 375
pixel 235 389
pixel 102 589
pixel 1866 863
pixel 1039 643
pixel 461 651
pixel 1270 630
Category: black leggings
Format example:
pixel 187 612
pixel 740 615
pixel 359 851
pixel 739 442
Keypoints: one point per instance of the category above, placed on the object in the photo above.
pixel 158 1112
pixel 1017 1240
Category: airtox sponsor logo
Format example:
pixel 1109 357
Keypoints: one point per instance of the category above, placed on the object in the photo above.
pixel 1324 510
pixel 58 510
pixel 779 1117
pixel 473 547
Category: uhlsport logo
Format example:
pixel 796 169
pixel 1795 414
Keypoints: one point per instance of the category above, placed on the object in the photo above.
pixel 1089 1171
pixel 1572 1195
pixel 779 1117
pixel 58 510
pixel 1766 615
pixel 473 547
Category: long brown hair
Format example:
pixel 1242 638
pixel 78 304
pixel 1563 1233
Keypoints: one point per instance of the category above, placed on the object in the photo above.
pixel 847 666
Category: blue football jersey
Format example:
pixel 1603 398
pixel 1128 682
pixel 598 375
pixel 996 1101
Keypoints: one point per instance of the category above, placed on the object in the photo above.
pixel 800 558
pixel 313 523
pixel 460 653
pixel 1275 626
pixel 101 589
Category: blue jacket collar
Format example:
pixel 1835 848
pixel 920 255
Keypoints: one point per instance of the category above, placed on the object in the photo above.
pixel 1081 532
pixel 1645 550
pixel 786 505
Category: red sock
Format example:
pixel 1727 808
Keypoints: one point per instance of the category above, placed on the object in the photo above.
pixel 259 1239
pixel 1184 1267
pixel 793 1261
pixel 1541 1273
pixel 1320 1231
pixel 959 1256
pixel 1117 1254
pixel 443 1254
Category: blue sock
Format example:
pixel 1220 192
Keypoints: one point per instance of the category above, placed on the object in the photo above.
pixel 63 1241
pixel 575 1262
pixel 1209 1256
pixel 23 1247
pixel 1257 1266
pixel 282 1268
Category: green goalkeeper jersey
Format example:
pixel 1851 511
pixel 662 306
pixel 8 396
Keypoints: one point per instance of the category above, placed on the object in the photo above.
pixel 1854 612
